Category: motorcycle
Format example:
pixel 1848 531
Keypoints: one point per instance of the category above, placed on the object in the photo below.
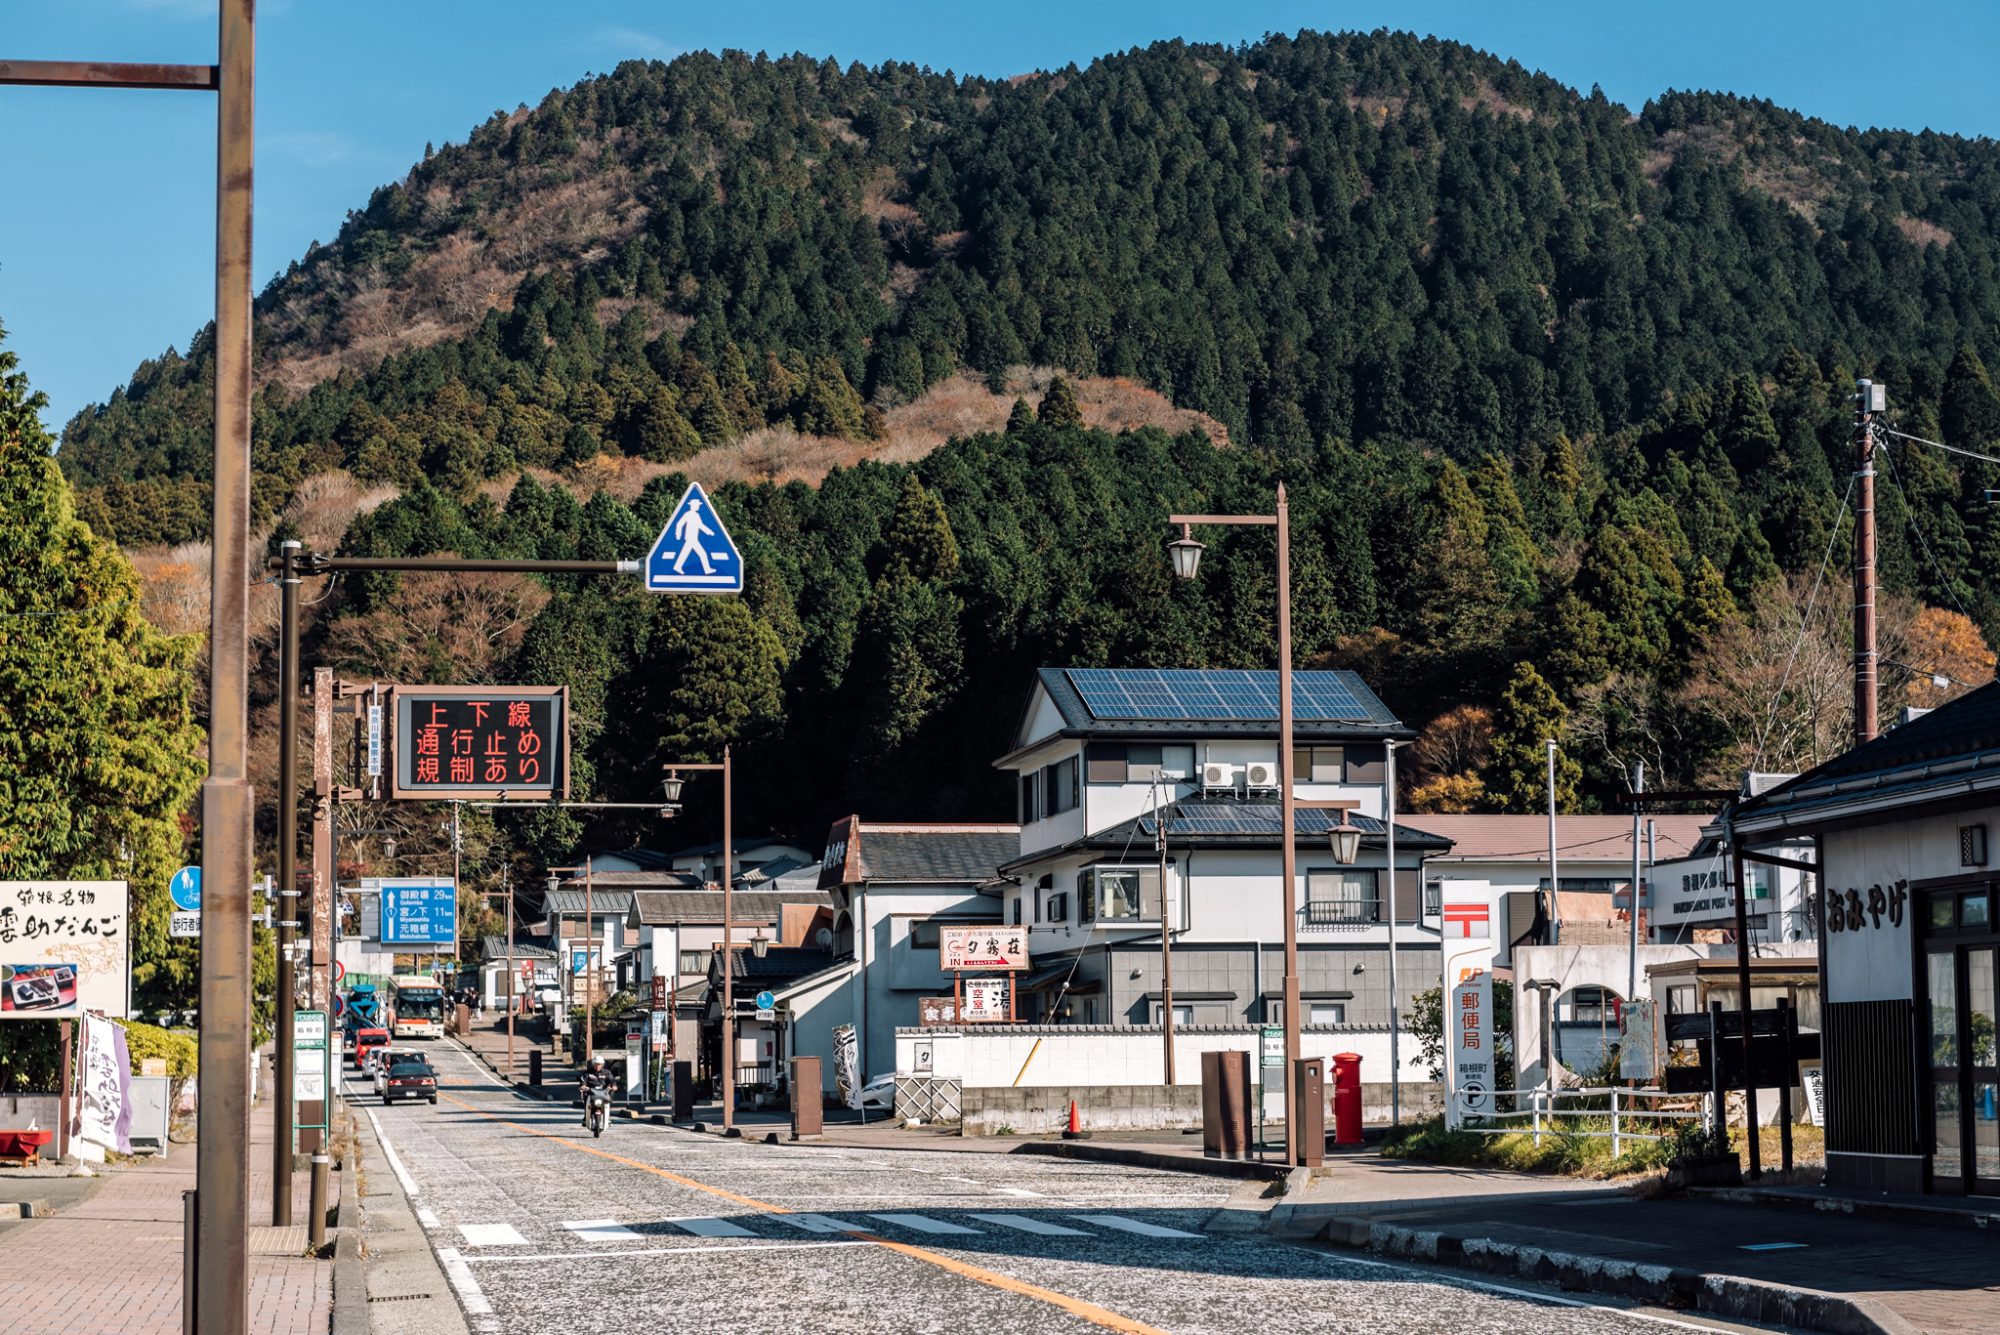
pixel 597 1109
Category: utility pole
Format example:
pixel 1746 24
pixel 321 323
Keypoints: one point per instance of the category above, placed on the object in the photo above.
pixel 1555 881
pixel 1395 997
pixel 1632 955
pixel 728 959
pixel 589 963
pixel 1869 399
pixel 1166 945
pixel 288 888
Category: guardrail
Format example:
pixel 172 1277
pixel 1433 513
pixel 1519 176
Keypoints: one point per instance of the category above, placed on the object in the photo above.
pixel 1588 1107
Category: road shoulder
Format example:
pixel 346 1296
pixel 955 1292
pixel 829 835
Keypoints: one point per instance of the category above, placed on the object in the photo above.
pixel 387 1280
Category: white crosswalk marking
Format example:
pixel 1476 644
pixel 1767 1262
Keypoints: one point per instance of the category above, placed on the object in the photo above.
pixel 819 1223
pixel 922 1224
pixel 491 1235
pixel 703 1227
pixel 1027 1225
pixel 599 1230
pixel 1139 1226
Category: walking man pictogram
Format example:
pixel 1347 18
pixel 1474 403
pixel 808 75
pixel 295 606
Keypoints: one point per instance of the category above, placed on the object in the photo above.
pixel 690 530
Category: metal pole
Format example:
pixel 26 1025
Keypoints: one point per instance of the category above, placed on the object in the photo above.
pixel 1632 953
pixel 222 1281
pixel 1864 569
pixel 1287 835
pixel 1395 997
pixel 728 958
pixel 589 963
pixel 64 1087
pixel 513 973
pixel 1743 1002
pixel 1555 880
pixel 325 881
pixel 1166 954
pixel 288 886
pixel 316 1222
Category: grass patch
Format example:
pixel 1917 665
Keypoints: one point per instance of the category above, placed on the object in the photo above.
pixel 1565 1149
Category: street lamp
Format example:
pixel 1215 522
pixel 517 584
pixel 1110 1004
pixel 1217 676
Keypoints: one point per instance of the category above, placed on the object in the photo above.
pixel 671 787
pixel 1345 840
pixel 1186 553
pixel 760 944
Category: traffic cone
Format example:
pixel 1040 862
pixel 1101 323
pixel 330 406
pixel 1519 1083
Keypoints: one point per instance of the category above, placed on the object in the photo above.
pixel 1075 1130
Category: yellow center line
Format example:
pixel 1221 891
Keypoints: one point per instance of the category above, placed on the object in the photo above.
pixel 1078 1307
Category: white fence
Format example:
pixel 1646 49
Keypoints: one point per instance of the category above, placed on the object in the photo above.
pixel 1606 1112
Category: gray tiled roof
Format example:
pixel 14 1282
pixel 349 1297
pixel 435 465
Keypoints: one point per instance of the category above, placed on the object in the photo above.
pixel 665 908
pixel 1956 746
pixel 525 948
pixel 777 964
pixel 604 899
pixel 968 856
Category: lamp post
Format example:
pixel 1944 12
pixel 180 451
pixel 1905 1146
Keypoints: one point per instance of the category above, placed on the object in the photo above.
pixel 1186 553
pixel 671 786
pixel 506 891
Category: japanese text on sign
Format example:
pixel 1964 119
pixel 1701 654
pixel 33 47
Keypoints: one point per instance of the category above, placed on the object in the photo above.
pixel 64 949
pixel 1469 1054
pixel 1852 910
pixel 458 741
pixel 964 949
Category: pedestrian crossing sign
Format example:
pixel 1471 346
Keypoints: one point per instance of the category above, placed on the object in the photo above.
pixel 693 553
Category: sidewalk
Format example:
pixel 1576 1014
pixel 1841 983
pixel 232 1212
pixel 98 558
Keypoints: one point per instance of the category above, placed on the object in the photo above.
pixel 111 1263
pixel 1816 1268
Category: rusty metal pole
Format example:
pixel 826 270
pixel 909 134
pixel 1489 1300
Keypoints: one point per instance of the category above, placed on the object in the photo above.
pixel 1864 565
pixel 1743 1002
pixel 1287 834
pixel 589 963
pixel 288 889
pixel 728 962
pixel 222 1287
pixel 324 877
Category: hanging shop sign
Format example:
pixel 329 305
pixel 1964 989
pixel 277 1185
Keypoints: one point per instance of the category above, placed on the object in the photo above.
pixel 982 949
pixel 65 948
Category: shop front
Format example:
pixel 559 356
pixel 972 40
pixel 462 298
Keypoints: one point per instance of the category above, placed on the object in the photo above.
pixel 1905 904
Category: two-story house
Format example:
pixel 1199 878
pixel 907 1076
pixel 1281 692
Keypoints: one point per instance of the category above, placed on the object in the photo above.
pixel 1101 753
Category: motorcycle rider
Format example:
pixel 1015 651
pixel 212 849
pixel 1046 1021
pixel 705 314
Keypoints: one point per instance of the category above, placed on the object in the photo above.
pixel 594 1078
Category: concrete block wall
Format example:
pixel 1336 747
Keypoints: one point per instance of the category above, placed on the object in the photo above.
pixel 1040 1109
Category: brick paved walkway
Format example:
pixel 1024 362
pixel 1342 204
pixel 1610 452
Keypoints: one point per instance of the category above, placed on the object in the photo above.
pixel 112 1264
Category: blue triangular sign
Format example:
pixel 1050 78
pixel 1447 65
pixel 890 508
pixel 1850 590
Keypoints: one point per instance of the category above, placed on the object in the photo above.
pixel 693 553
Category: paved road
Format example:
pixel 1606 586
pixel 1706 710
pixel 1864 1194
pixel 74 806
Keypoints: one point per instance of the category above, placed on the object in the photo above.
pixel 543 1229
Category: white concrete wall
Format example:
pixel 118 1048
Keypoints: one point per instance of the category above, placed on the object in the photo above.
pixel 1873 964
pixel 1000 1056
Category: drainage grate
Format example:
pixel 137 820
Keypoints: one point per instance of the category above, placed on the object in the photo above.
pixel 400 1298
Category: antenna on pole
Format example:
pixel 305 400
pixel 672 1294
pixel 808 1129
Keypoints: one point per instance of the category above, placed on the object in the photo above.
pixel 1869 399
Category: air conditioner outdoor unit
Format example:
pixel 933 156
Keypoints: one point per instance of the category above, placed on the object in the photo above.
pixel 1260 774
pixel 1216 777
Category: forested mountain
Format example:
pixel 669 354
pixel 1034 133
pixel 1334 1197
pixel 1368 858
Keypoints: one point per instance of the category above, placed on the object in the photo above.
pixel 1551 384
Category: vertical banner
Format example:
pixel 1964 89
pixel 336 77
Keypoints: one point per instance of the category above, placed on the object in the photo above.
pixel 1636 1060
pixel 104 1082
pixel 847 1065
pixel 1468 1046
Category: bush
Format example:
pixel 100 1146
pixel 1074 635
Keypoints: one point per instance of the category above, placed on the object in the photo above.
pixel 180 1051
pixel 1565 1149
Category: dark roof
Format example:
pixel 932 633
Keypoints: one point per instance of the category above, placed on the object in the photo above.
pixel 778 964
pixel 1228 823
pixel 966 854
pixel 665 908
pixel 645 859
pixel 772 870
pixel 525 948
pixel 1202 702
pixel 1954 747
pixel 604 899
pixel 658 878
pixel 737 845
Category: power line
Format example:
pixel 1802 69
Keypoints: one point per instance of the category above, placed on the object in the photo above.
pixel 1910 521
pixel 1937 444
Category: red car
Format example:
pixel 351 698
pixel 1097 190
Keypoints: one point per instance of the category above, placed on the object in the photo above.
pixel 365 1042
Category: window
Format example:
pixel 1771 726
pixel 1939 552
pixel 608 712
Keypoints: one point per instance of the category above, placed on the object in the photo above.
pixel 1343 896
pixel 923 934
pixel 1433 898
pixel 1014 911
pixel 1059 785
pixel 1680 999
pixel 1366 765
pixel 1031 797
pixel 1119 894
pixel 1183 1015
pixel 1055 908
pixel 1137 762
pixel 1326 1012
pixel 1319 764
pixel 696 961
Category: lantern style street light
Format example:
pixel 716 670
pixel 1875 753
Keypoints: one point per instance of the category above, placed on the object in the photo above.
pixel 1345 840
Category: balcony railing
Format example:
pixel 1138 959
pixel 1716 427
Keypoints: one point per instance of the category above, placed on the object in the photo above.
pixel 1339 913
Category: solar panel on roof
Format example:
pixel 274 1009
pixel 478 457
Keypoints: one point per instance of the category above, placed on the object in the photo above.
pixel 1232 695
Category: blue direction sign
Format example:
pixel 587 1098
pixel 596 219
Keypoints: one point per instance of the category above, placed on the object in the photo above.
pixel 693 553
pixel 419 912
pixel 766 1000
pixel 185 889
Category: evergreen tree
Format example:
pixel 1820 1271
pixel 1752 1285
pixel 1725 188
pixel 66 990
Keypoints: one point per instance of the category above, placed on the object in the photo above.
pixel 1059 407
pixel 1970 413
pixel 1528 717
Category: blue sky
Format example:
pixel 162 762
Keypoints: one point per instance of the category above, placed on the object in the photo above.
pixel 106 230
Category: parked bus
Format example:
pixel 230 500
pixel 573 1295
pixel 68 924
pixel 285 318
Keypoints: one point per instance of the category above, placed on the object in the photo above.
pixel 419 1007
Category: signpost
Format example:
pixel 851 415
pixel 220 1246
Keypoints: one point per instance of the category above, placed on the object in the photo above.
pixel 694 553
pixel 499 743
pixel 419 911
pixel 1469 1051
pixel 985 1000
pixel 184 920
pixel 310 1076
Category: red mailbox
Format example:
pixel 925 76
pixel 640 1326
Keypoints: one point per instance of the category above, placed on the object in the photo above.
pixel 1347 1098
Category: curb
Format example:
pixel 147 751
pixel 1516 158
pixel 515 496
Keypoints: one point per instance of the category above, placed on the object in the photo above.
pixel 34 1209
pixel 350 1281
pixel 1729 1296
pixel 1133 1156
pixel 1899 1212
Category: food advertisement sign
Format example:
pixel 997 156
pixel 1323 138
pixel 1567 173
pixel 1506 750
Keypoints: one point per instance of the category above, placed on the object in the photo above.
pixel 976 949
pixel 497 743
pixel 65 948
